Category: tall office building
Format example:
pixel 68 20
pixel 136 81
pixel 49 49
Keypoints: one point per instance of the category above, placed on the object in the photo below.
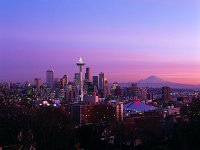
pixel 133 90
pixel 95 81
pixel 80 64
pixel 65 80
pixel 62 83
pixel 56 83
pixel 49 78
pixel 87 75
pixel 142 94
pixel 76 79
pixel 166 93
pixel 38 83
pixel 101 81
pixel 106 88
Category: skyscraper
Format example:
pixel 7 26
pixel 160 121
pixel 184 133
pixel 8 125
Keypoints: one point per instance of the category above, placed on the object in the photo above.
pixel 166 93
pixel 80 64
pixel 95 81
pixel 76 87
pixel 65 80
pixel 38 83
pixel 133 90
pixel 49 78
pixel 101 81
pixel 87 75
pixel 106 88
pixel 76 79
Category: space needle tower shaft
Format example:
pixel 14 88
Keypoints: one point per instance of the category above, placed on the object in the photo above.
pixel 80 63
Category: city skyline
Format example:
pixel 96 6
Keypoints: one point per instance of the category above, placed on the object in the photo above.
pixel 128 41
pixel 151 79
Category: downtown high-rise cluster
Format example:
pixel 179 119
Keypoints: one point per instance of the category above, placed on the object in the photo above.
pixel 73 91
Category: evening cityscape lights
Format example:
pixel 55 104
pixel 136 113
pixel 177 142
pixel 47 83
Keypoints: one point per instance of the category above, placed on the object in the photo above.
pixel 99 75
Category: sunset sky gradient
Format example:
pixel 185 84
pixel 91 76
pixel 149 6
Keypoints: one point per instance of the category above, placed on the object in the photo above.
pixel 126 39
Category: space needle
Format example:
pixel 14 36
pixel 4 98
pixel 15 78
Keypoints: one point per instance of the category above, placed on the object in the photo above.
pixel 80 63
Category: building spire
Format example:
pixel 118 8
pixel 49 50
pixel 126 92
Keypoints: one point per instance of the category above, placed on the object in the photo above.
pixel 80 63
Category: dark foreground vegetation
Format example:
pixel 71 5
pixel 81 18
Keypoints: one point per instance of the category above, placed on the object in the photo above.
pixel 49 128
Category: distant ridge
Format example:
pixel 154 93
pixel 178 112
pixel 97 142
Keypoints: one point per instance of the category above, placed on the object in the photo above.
pixel 156 82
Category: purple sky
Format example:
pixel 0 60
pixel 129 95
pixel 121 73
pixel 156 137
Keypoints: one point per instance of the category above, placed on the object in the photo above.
pixel 127 40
